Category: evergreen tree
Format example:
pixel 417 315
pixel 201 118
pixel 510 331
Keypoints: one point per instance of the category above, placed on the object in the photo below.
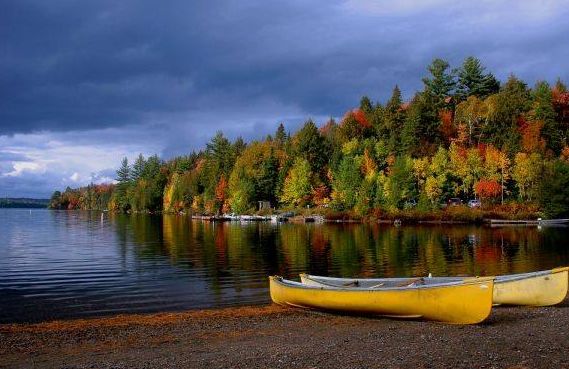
pixel 151 168
pixel 138 168
pixel 473 81
pixel 365 105
pixel 420 134
pixel 280 136
pixel 123 179
pixel 394 103
pixel 310 145
pixel 409 141
pixel 266 184
pixel 554 190
pixel 220 151
pixel 238 147
pixel 441 83
pixel 123 173
pixel 393 118
pixel 543 111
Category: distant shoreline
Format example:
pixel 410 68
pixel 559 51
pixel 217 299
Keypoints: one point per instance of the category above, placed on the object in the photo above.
pixel 23 203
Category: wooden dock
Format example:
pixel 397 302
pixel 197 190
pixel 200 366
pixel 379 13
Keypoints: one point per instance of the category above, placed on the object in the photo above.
pixel 536 222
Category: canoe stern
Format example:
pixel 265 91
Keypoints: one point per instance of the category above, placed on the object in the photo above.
pixel 544 289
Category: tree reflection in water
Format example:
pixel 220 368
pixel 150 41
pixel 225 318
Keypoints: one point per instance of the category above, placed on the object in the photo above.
pixel 248 252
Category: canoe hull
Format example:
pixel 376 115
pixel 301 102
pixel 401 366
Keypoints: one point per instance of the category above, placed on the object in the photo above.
pixel 463 303
pixel 544 288
pixel 541 290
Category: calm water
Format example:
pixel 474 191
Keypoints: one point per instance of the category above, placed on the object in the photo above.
pixel 58 264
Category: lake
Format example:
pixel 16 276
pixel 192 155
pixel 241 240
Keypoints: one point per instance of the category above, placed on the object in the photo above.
pixel 63 264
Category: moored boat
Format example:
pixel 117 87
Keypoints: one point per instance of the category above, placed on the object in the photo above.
pixel 463 302
pixel 542 288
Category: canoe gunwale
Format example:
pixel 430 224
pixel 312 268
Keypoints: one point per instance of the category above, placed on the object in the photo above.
pixel 468 281
pixel 497 279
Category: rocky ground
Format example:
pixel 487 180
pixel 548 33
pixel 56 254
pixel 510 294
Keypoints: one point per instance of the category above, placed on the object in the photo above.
pixel 278 337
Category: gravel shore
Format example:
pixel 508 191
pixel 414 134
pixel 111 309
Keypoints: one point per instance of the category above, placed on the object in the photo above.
pixel 278 337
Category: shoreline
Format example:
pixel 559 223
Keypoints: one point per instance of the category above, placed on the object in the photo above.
pixel 457 215
pixel 282 337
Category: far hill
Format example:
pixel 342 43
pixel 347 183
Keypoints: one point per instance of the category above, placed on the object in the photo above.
pixel 22 202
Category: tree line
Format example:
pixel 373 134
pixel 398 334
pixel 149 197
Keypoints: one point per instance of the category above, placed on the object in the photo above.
pixel 465 134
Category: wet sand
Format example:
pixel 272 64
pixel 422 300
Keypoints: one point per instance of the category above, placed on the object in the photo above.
pixel 278 337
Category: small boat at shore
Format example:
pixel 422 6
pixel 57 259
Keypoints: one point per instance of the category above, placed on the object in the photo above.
pixel 467 301
pixel 543 288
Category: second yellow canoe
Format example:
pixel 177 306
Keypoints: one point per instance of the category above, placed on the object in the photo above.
pixel 542 288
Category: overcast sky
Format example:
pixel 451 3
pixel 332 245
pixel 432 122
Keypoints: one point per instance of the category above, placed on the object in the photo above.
pixel 84 83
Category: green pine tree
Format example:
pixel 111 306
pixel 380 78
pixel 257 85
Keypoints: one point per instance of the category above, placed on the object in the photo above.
pixel 472 80
pixel 543 111
pixel 441 82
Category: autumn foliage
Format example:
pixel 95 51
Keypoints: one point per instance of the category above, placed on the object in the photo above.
pixel 464 134
pixel 487 189
pixel 532 141
pixel 447 128
pixel 360 117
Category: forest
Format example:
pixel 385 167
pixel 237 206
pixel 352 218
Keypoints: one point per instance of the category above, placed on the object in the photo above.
pixel 465 135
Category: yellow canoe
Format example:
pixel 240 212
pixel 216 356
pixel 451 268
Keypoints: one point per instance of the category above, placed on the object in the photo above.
pixel 464 302
pixel 543 288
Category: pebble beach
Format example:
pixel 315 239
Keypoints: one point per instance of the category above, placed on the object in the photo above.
pixel 272 336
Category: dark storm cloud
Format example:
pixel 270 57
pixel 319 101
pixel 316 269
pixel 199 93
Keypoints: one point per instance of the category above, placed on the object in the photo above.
pixel 69 65
pixel 85 65
pixel 72 65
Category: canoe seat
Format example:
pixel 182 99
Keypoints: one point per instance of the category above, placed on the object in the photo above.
pixel 351 284
pixel 415 282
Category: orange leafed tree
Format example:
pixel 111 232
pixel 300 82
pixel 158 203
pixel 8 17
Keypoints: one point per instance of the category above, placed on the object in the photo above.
pixel 221 189
pixel 532 141
pixel 461 135
pixel 487 188
pixel 360 117
pixel 369 167
pixel 221 193
pixel 447 127
pixel 321 195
